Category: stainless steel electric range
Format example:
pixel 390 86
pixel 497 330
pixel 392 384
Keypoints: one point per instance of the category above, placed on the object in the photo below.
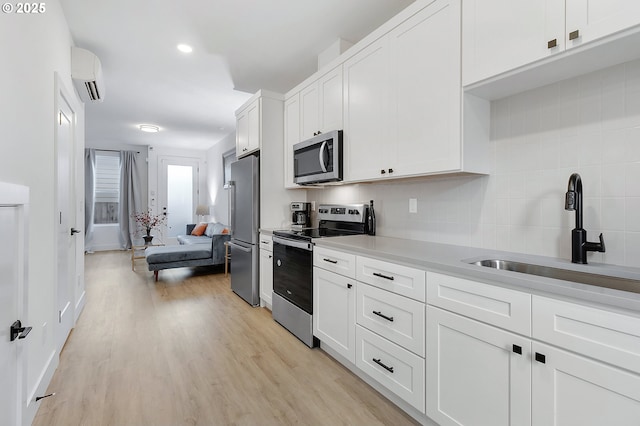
pixel 292 303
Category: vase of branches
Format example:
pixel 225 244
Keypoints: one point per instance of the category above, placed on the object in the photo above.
pixel 148 221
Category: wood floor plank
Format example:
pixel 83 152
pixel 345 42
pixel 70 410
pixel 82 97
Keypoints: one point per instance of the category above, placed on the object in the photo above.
pixel 187 351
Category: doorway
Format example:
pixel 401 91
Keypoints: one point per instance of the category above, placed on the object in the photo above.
pixel 178 194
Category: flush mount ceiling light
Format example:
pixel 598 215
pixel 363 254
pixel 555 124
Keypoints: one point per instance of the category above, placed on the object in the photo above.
pixel 149 128
pixel 185 48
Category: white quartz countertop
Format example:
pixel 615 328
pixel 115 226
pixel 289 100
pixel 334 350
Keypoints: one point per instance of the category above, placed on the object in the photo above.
pixel 455 260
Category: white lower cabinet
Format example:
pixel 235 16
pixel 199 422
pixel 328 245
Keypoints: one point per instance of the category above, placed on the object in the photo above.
pixel 334 312
pixel 475 375
pixel 398 369
pixel 570 389
pixel 266 270
pixel 394 317
pixel 480 374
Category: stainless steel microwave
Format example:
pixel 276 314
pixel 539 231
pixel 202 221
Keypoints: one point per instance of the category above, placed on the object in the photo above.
pixel 318 159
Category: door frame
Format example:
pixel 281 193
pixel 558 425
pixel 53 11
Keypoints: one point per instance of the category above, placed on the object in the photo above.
pixel 163 162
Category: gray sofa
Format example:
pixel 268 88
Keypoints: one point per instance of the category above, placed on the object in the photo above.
pixel 205 250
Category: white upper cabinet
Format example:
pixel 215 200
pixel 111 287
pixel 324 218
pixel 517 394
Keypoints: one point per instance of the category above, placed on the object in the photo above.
pixel 502 35
pixel 291 136
pixel 321 105
pixel 593 19
pixel 403 102
pixel 367 112
pixel 425 70
pixel 248 129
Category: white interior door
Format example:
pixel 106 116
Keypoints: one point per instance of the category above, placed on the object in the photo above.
pixel 12 301
pixel 8 314
pixel 178 194
pixel 65 220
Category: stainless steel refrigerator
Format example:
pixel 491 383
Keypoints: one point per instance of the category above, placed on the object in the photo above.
pixel 244 211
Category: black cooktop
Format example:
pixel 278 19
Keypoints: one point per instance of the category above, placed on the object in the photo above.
pixel 309 233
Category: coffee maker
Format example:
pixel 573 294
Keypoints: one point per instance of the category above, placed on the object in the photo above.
pixel 300 215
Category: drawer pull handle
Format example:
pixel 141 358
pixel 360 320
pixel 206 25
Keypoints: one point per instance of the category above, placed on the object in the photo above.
pixel 380 314
pixel 517 349
pixel 377 361
pixel 574 34
pixel 349 285
pixel 552 43
pixel 386 277
pixel 541 358
pixel 330 261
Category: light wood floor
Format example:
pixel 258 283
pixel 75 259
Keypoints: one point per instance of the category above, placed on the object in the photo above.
pixel 188 351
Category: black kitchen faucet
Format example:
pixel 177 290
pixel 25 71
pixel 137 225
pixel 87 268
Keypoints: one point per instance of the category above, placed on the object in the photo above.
pixel 579 244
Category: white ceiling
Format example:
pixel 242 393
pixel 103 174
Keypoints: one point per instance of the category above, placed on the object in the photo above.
pixel 240 46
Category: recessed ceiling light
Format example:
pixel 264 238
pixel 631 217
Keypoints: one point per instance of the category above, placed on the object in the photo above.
pixel 150 128
pixel 185 48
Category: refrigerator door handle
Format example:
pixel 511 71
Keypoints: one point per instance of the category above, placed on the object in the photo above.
pixel 232 205
pixel 239 247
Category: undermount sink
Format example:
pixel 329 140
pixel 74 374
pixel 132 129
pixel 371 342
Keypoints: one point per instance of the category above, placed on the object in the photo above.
pixel 608 281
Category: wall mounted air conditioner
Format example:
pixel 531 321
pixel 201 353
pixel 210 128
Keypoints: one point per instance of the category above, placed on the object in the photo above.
pixel 86 72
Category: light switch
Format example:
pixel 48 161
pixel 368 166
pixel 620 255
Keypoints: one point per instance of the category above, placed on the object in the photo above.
pixel 413 205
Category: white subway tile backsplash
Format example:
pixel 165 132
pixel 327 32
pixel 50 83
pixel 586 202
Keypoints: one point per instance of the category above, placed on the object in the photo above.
pixel 632 180
pixel 613 214
pixel 632 249
pixel 632 214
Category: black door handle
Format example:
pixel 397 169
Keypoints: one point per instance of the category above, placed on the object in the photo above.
pixel 18 331
pixel 74 231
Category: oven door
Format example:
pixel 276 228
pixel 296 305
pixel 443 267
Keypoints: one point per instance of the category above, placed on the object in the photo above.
pixel 293 272
pixel 318 159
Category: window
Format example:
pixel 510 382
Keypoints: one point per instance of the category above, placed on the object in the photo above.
pixel 107 188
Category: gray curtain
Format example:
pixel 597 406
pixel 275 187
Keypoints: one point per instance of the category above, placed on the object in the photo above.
pixel 130 196
pixel 89 197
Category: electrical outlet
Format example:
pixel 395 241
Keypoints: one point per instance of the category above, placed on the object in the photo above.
pixel 413 205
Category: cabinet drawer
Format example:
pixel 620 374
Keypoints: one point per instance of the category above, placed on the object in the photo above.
pixel 335 261
pixel 398 279
pixel 399 370
pixel 266 242
pixel 608 336
pixel 502 307
pixel 397 318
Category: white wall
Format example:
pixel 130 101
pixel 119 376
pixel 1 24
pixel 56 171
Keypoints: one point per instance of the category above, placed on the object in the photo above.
pixel 32 48
pixel 217 197
pixel 589 125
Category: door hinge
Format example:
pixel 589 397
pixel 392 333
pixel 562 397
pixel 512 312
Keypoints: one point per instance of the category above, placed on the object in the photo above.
pixel 59 317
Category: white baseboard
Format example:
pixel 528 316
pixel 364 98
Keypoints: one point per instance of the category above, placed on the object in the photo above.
pixel 80 306
pixel 40 388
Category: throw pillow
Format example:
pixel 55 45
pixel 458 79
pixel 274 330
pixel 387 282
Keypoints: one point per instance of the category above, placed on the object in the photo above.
pixel 199 229
pixel 215 229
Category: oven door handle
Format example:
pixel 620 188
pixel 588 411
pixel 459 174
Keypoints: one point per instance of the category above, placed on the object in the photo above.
pixel 239 247
pixel 297 244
